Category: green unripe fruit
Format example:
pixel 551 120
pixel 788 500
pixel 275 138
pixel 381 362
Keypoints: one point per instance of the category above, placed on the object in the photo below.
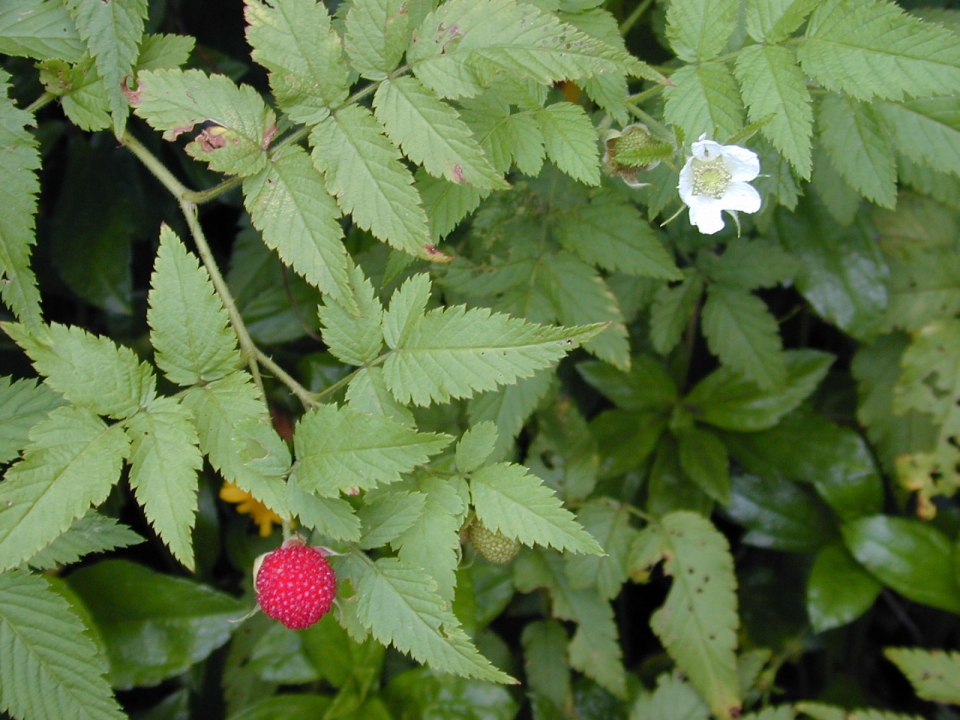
pixel 493 546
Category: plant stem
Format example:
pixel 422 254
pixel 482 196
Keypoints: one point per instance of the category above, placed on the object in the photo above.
pixel 40 102
pixel 159 170
pixel 651 123
pixel 306 397
pixel 631 20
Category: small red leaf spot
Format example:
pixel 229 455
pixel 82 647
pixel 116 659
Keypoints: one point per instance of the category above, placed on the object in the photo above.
pixel 133 96
pixel 212 138
pixel 435 255
pixel 457 173
pixel 268 136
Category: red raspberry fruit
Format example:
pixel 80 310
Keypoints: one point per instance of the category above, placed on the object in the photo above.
pixel 295 584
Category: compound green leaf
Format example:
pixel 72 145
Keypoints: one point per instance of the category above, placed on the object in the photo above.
pixel 71 463
pixel 164 460
pixel 241 125
pixel 48 664
pixel 40 29
pixel 775 21
pixel 773 84
pixel 728 401
pixel 647 386
pixel 386 515
pixel 342 448
pixel 431 134
pixel 751 264
pixel 368 393
pixel 609 523
pixel 164 52
pixel 934 674
pixel 18 193
pixel 704 100
pixel 445 203
pixel 418 622
pixel 615 236
pixel 475 446
pixel 190 329
pixel 858 147
pixel 376 36
pixel 874 49
pixel 92 533
pixel 704 459
pixel 912 557
pixel 294 40
pixel 504 136
pixel 509 499
pixel 698 622
pixel 288 203
pixel 570 141
pixel 927 131
pixel 88 370
pixel 671 311
pixel 333 517
pixel 407 305
pixel 509 407
pixel 499 36
pixel 699 29
pixel 23 403
pixel 741 331
pixel 354 338
pixel 839 589
pixel 154 626
pixel 363 172
pixel 112 32
pixel 455 352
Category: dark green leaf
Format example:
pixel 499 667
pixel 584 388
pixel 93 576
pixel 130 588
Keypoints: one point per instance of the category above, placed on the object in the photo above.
pixel 704 459
pixel 423 693
pixel 839 590
pixel 647 386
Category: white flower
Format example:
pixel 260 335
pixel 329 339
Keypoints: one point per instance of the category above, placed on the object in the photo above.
pixel 716 178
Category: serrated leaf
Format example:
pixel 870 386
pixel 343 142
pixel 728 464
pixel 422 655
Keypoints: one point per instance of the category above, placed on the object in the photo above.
pixel 433 541
pixel 92 533
pixel 509 499
pixel 704 100
pixel 342 448
pixel 354 338
pixel 112 32
pixel 163 52
pixel 704 459
pixel 87 370
pixel 419 623
pixel 752 264
pixel 671 311
pixel 293 39
pixel 609 523
pixel 189 326
pixel 699 29
pixel 773 84
pixel 698 622
pixel 81 91
pixel 242 126
pixel 741 331
pixel 873 49
pixel 333 517
pixel 407 305
pixel 504 136
pixel 39 29
pixel 48 665
pixel 18 164
pixel 363 172
pixel 235 434
pixel 646 387
pixel 927 131
pixel 164 460
pixel 858 147
pixel 385 516
pixel 775 21
pixel 376 36
pixel 445 203
pixel 616 236
pixel 431 134
pixel 673 699
pixel 934 674
pixel 23 403
pixel 368 393
pixel 509 407
pixel 475 446
pixel 570 141
pixel 545 660
pixel 455 352
pixel 288 203
pixel 499 36
pixel 71 463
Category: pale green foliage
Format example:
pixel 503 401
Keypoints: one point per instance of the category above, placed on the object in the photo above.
pixel 698 29
pixel 774 20
pixel 510 407
pixel 510 500
pixel 704 99
pixel 933 674
pixel 387 515
pixel 874 49
pixel 698 622
pixel 189 327
pixel 609 523
pixel 475 446
pixel 23 403
pixel 294 41
pixel 71 463
pixel 671 311
pixel 376 36
pixel 342 448
pixel 570 141
pixel 545 661
pixel 89 534
pixel 289 204
pixel 87 370
pixel 112 33
pixel 355 338
pixel 363 171
pixel 925 130
pixel 48 664
pixel 39 29
pixel 673 699
pixel 164 460
pixel 18 161
pixel 176 100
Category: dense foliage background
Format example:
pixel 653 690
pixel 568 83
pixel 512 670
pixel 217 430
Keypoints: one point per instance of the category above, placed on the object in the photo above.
pixel 378 271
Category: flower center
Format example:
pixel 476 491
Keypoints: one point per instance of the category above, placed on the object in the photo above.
pixel 710 177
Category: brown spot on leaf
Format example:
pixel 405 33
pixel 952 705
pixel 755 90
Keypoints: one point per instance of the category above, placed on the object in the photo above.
pixel 435 255
pixel 212 138
pixel 457 173
pixel 133 96
pixel 175 132
pixel 268 136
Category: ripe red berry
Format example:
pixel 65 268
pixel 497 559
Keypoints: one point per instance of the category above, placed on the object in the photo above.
pixel 295 584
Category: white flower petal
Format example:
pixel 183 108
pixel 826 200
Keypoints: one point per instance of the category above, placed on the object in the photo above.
pixel 706 149
pixel 686 182
pixel 741 196
pixel 705 213
pixel 743 164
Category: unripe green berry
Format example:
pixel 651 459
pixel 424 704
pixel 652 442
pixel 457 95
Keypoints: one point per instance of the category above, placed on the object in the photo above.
pixel 493 546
